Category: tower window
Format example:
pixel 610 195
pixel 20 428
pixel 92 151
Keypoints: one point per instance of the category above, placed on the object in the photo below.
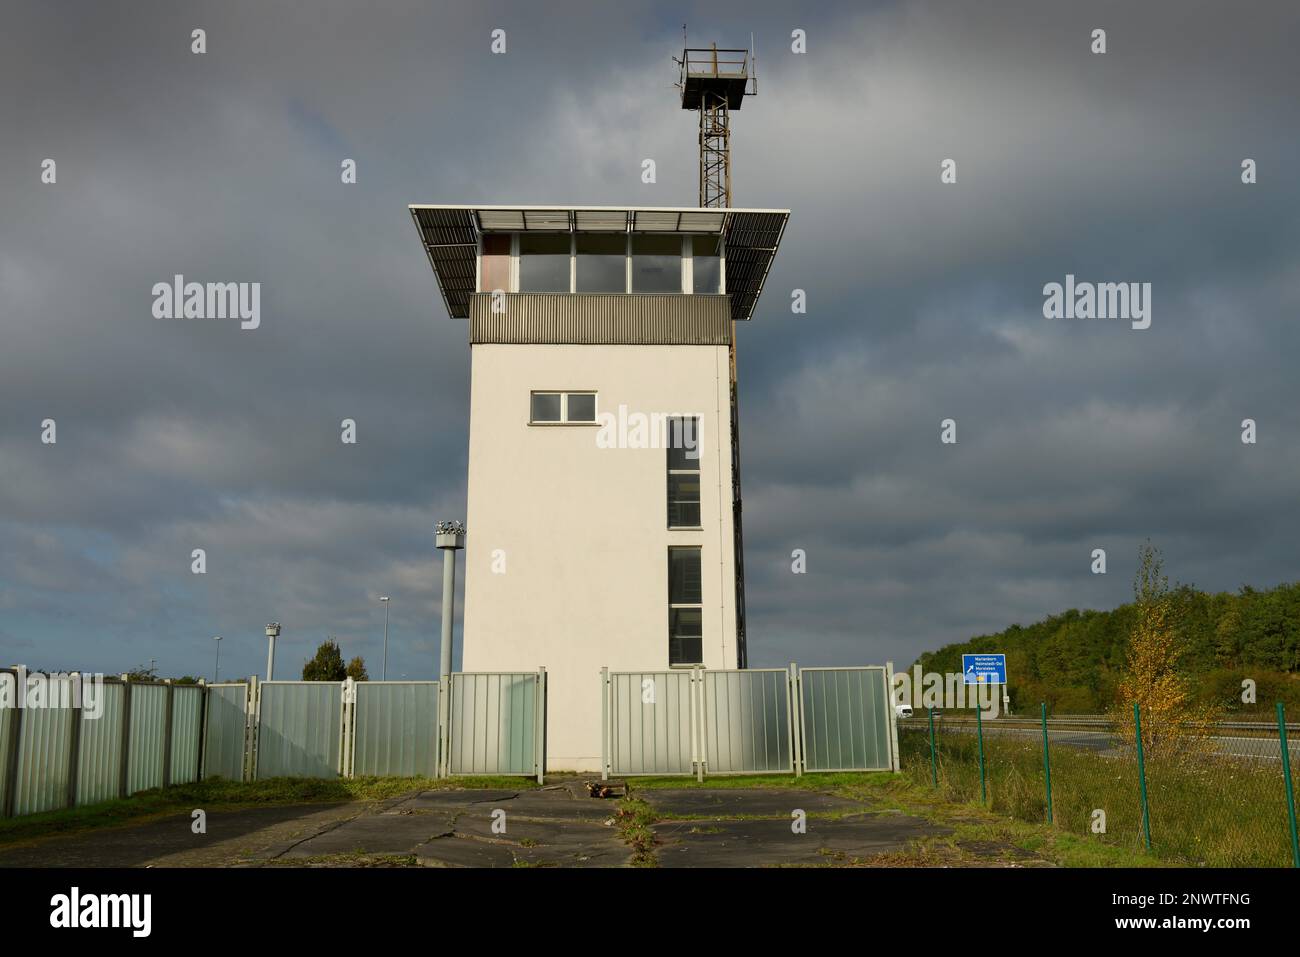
pixel 656 263
pixel 544 262
pixel 602 262
pixel 495 269
pixel 684 472
pixel 685 607
pixel 706 264
pixel 555 408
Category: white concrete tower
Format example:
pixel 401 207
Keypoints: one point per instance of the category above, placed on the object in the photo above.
pixel 600 526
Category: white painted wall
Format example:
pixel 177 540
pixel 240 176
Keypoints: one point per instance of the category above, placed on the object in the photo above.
pixel 583 530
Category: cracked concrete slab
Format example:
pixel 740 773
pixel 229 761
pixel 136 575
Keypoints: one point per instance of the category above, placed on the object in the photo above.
pixel 750 802
pixel 556 826
pixel 372 834
pixel 766 843
pixel 464 852
pixel 233 838
pixel 448 800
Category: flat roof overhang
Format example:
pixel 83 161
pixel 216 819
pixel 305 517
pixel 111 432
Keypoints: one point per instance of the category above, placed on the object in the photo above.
pixel 450 235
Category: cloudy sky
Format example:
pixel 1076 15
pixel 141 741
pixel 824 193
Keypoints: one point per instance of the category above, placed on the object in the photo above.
pixel 925 303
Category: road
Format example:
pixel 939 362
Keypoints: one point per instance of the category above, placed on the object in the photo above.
pixel 1235 740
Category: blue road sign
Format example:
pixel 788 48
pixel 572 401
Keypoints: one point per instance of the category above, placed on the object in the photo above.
pixel 984 669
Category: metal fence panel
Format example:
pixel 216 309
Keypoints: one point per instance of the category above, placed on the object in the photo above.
pixel 395 730
pixel 299 728
pixel 147 738
pixel 224 730
pixel 99 762
pixel 845 717
pixel 43 752
pixel 650 722
pixel 746 722
pixel 494 723
pixel 187 720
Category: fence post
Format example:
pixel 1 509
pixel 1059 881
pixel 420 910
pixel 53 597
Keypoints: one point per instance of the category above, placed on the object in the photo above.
pixel 698 734
pixel 124 766
pixel 201 754
pixel 167 735
pixel 979 727
pixel 893 716
pixel 604 723
pixel 1142 775
pixel 934 762
pixel 801 739
pixel 539 726
pixel 252 728
pixel 444 725
pixel 792 722
pixel 74 740
pixel 1047 762
pixel 1290 791
pixel 11 759
pixel 345 727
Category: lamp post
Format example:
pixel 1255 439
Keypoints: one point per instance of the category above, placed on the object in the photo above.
pixel 217 674
pixel 384 599
pixel 450 537
pixel 272 633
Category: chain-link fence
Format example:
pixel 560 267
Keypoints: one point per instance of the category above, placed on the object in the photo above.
pixel 1218 795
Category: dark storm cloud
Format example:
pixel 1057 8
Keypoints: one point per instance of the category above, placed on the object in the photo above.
pixel 925 303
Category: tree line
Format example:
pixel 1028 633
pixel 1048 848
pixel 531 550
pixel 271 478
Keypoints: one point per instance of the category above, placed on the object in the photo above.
pixel 1077 661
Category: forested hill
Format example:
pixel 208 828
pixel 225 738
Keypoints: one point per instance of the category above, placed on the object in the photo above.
pixel 1073 660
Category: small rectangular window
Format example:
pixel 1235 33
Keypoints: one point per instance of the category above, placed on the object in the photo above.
pixel 581 407
pixel 685 607
pixel 602 262
pixel 683 500
pixel 558 407
pixel 543 262
pixel 656 263
pixel 684 586
pixel 545 407
pixel 684 472
pixel 686 636
pixel 706 264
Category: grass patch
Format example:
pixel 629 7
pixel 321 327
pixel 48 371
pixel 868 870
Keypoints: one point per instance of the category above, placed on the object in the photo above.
pixel 979 836
pixel 217 793
pixel 1207 811
pixel 806 782
pixel 633 820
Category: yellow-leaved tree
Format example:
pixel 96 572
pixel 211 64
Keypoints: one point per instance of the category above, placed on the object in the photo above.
pixel 1172 723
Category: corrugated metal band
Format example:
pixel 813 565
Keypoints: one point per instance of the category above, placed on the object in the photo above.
pixel 595 319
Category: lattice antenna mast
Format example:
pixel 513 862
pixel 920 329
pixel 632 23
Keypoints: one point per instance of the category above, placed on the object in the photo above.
pixel 714 82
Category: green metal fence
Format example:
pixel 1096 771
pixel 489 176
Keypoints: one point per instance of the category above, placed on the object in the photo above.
pixel 496 724
pixel 1220 794
pixel 394 729
pixel 701 721
pixel 79 740
pixel 145 735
